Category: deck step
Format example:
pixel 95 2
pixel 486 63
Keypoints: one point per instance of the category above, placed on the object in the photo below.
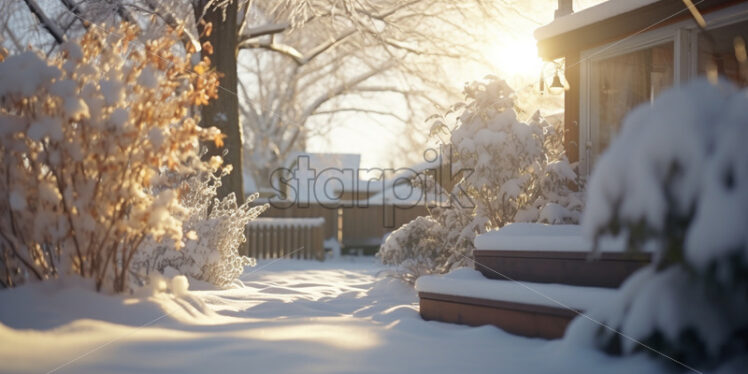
pixel 521 308
pixel 608 269
pixel 516 318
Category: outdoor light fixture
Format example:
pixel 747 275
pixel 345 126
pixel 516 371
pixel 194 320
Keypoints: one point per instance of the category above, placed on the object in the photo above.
pixel 556 87
pixel 558 83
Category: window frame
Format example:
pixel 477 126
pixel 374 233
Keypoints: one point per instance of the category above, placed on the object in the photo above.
pixel 683 35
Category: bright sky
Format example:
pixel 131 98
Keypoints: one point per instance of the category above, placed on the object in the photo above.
pixel 513 54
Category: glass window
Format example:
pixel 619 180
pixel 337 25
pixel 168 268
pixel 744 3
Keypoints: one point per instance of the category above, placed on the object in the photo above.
pixel 720 50
pixel 623 82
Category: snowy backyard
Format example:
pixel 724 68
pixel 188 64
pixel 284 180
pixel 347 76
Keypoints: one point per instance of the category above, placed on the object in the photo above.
pixel 389 186
pixel 281 317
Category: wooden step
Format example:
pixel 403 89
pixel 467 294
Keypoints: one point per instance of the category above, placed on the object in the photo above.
pixel 529 320
pixel 521 308
pixel 608 269
pixel 542 253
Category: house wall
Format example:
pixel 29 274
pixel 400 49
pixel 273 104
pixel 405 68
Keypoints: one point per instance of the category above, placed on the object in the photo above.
pixel 580 48
pixel 684 37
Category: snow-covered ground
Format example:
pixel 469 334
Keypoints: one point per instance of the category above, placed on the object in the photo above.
pixel 288 316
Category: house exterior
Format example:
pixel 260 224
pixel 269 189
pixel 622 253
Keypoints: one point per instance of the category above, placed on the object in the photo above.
pixel 621 53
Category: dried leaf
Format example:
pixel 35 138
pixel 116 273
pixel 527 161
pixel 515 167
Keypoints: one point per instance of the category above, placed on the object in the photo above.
pixel 207 47
pixel 218 140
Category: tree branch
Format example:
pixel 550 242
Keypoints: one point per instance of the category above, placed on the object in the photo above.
pixel 76 10
pixel 343 87
pixel 51 27
pixel 269 29
pixel 283 49
pixel 360 110
pixel 172 22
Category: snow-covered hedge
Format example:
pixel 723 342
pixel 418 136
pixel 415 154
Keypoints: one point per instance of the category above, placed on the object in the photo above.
pixel 512 171
pixel 95 145
pixel 433 244
pixel 676 181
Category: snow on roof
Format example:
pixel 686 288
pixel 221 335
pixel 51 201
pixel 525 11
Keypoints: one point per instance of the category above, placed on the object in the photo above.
pixel 321 161
pixel 287 222
pixel 325 173
pixel 409 172
pixel 588 16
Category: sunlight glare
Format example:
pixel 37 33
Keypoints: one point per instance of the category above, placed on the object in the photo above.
pixel 334 335
pixel 515 57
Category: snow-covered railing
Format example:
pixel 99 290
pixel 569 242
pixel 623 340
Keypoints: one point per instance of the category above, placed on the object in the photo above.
pixel 286 237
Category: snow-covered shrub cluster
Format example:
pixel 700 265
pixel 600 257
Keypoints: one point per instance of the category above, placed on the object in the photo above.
pixel 676 181
pixel 215 229
pixel 86 139
pixel 433 244
pixel 510 171
pixel 514 171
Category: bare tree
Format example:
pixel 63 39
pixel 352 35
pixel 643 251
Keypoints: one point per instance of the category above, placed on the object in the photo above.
pixel 319 61
pixel 294 63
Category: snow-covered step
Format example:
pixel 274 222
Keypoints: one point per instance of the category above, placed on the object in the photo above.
pixel 553 254
pixel 523 308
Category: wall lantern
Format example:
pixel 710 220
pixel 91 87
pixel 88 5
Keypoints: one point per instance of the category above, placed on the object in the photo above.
pixel 556 87
pixel 558 83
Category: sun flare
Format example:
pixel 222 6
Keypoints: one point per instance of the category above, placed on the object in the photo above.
pixel 515 57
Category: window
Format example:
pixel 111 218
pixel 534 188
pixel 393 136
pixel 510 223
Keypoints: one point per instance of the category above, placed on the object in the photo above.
pixel 623 82
pixel 616 77
pixel 720 50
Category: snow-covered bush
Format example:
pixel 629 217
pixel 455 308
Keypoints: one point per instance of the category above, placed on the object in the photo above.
pixel 511 171
pixel 85 140
pixel 675 181
pixel 215 229
pixel 433 244
pixel 514 171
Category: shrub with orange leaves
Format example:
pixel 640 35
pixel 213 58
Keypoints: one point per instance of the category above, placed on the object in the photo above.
pixel 95 145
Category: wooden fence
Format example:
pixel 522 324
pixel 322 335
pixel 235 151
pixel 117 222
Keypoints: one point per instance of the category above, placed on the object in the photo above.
pixel 286 237
pixel 352 223
pixel 329 214
pixel 364 226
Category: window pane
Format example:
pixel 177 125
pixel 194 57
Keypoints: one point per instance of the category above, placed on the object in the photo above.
pixel 722 51
pixel 624 82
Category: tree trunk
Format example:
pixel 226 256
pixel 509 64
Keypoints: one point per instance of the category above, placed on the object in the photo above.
pixel 223 112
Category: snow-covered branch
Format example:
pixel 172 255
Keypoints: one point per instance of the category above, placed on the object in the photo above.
pixel 49 25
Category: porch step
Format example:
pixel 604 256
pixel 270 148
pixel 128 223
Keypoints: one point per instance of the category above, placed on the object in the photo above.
pixel 529 320
pixel 608 269
pixel 531 280
pixel 522 308
pixel 554 254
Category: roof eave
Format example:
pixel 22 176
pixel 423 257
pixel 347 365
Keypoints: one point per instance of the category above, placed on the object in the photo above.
pixel 648 17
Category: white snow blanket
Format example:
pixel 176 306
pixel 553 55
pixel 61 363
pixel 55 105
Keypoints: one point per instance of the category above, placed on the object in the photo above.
pixel 282 317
